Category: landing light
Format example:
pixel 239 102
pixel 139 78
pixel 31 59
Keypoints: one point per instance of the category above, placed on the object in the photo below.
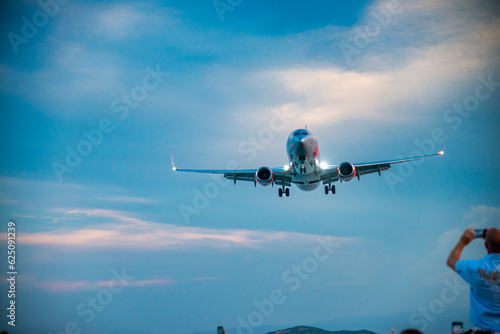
pixel 323 165
pixel 441 153
pixel 286 167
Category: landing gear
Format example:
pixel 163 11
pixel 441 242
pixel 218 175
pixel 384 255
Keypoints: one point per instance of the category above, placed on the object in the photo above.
pixel 285 191
pixel 302 168
pixel 328 189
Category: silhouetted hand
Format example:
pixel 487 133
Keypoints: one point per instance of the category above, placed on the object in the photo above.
pixel 468 236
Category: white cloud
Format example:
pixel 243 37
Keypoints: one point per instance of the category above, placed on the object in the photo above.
pixel 422 58
pixel 479 216
pixel 115 21
pixel 127 199
pixel 482 216
pixel 418 60
pixel 80 64
pixel 75 74
pixel 434 263
pixel 119 20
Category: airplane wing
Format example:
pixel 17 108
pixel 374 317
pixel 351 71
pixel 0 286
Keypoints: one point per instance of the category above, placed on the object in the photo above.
pixel 281 176
pixel 330 172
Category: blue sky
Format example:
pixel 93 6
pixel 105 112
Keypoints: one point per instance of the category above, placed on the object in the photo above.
pixel 104 241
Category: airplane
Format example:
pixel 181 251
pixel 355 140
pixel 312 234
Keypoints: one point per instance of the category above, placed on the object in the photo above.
pixel 304 168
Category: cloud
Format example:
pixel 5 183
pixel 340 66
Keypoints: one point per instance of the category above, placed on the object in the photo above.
pixel 434 263
pixel 65 81
pixel 126 199
pixel 25 193
pixel 114 21
pixel 5 199
pixel 119 20
pixel 80 65
pixel 64 286
pixel 424 51
pixel 125 231
pixel 423 57
pixel 479 216
pixel 482 216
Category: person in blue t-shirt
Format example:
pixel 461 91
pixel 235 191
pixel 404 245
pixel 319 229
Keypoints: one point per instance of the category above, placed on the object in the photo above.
pixel 484 278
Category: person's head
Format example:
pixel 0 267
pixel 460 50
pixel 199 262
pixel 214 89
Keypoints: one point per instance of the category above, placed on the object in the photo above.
pixel 492 240
pixel 411 331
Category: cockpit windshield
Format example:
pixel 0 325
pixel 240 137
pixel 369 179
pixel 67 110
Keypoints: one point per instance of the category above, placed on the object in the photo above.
pixel 300 132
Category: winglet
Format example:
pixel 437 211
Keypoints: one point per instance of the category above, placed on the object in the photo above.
pixel 173 166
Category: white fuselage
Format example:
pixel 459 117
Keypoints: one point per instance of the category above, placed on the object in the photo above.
pixel 303 153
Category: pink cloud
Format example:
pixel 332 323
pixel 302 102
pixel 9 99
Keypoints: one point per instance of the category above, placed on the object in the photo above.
pixel 126 231
pixel 62 286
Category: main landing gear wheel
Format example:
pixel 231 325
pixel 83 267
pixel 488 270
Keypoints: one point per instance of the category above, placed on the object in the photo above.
pixel 328 189
pixel 285 191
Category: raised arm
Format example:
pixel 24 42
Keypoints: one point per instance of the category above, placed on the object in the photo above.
pixel 455 254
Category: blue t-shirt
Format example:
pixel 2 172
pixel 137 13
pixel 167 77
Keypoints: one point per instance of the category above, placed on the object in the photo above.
pixel 484 279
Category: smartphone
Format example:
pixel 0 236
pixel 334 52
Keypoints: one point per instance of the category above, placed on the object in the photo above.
pixel 457 328
pixel 220 330
pixel 480 233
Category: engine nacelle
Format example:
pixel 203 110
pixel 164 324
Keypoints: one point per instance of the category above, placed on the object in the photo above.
pixel 264 176
pixel 346 171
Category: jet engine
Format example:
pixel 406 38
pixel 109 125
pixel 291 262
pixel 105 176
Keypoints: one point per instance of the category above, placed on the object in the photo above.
pixel 264 176
pixel 346 171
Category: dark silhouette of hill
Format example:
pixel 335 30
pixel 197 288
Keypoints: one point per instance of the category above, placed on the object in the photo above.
pixel 312 330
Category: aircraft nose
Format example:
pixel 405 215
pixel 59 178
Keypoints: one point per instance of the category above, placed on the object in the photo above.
pixel 300 138
pixel 300 146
